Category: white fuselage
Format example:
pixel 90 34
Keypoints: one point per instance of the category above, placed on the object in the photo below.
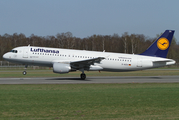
pixel 43 56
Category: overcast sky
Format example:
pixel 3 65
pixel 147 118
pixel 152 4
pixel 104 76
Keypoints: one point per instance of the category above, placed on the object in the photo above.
pixel 84 18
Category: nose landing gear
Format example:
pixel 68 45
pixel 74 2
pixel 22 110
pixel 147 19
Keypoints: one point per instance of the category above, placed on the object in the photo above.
pixel 24 72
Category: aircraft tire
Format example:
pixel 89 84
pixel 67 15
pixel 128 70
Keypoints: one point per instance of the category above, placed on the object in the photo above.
pixel 83 76
pixel 24 72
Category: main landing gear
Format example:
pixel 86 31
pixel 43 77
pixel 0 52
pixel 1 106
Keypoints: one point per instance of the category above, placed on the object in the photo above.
pixel 83 75
pixel 24 72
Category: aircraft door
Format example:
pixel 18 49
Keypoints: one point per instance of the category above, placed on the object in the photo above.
pixel 25 53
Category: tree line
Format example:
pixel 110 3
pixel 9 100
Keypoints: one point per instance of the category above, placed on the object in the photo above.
pixel 133 43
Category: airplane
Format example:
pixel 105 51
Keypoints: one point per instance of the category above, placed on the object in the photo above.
pixel 68 60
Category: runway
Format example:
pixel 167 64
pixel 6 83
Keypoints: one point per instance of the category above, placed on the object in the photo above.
pixel 92 80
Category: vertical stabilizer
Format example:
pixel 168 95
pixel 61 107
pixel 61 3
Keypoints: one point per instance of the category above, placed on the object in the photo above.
pixel 161 46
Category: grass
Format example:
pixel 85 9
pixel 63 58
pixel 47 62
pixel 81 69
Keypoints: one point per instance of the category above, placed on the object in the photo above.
pixel 49 73
pixel 90 101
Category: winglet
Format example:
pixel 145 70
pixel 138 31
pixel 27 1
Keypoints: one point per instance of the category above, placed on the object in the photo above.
pixel 161 46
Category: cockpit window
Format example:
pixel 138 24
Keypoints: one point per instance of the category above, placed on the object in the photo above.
pixel 14 51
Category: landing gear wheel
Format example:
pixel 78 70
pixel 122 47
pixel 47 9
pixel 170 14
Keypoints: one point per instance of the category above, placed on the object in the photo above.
pixel 83 76
pixel 24 72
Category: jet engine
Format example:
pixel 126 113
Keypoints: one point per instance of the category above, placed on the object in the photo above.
pixel 61 68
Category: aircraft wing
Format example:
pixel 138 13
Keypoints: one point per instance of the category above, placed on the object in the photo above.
pixel 85 63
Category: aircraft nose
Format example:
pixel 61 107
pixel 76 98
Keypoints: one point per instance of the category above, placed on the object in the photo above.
pixel 5 56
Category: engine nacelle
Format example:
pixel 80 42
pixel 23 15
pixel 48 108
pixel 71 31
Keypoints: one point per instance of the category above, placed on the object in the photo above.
pixel 61 68
pixel 95 68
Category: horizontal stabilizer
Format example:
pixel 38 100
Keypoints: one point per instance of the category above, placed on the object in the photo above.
pixel 167 60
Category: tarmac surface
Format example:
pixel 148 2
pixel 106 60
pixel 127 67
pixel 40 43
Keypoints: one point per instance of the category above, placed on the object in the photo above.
pixel 73 80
